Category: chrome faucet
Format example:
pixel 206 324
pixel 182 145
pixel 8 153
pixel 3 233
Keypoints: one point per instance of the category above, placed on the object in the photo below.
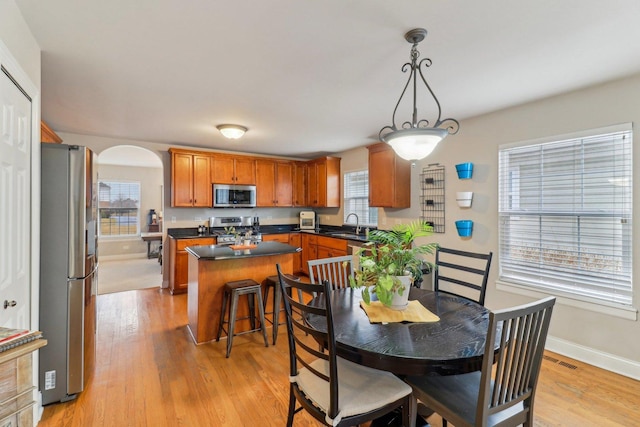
pixel 357 221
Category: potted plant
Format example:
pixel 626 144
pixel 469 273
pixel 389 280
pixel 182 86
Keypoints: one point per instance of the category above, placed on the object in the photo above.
pixel 391 261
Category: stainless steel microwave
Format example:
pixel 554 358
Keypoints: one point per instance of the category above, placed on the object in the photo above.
pixel 234 196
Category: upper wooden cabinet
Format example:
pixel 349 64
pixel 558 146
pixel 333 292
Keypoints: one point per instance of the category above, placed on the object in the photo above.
pixel 389 178
pixel 299 184
pixel 323 182
pixel 274 183
pixel 233 170
pixel 48 135
pixel 190 179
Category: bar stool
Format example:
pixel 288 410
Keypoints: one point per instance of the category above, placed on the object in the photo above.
pixel 274 282
pixel 234 290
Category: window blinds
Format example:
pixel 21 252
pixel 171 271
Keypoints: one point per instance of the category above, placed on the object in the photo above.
pixel 356 198
pixel 565 210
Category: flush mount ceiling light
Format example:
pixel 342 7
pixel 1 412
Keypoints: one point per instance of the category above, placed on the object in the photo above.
pixel 416 139
pixel 232 131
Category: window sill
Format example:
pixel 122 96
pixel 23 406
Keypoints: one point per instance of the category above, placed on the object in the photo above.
pixel 611 309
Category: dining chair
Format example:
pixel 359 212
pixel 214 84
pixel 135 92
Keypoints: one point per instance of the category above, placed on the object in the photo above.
pixel 333 390
pixel 505 397
pixel 457 272
pixel 336 270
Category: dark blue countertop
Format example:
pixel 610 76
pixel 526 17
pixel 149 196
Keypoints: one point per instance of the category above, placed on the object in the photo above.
pixel 216 253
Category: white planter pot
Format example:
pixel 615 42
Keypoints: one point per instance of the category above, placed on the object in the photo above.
pixel 464 198
pixel 400 302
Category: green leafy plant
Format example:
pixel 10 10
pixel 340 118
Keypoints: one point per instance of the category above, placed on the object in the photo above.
pixel 388 254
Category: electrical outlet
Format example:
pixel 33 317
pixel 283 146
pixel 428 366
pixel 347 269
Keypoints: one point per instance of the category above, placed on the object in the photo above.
pixel 173 219
pixel 384 220
pixel 326 217
pixel 198 218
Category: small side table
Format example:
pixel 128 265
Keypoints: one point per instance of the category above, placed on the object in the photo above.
pixel 151 237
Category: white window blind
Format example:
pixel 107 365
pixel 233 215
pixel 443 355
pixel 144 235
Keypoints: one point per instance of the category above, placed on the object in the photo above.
pixel 565 210
pixel 118 208
pixel 356 198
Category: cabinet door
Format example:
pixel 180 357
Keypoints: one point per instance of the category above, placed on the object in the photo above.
pixel 325 252
pixel 312 184
pixel 223 170
pixel 265 183
pixel 282 238
pixel 389 178
pixel 299 184
pixel 245 171
pixel 296 240
pixel 284 184
pixel 202 181
pixel 321 184
pixel 181 180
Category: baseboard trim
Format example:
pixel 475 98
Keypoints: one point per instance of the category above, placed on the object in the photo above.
pixel 610 362
pixel 120 257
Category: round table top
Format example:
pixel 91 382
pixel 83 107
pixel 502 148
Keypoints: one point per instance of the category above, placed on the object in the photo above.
pixel 452 345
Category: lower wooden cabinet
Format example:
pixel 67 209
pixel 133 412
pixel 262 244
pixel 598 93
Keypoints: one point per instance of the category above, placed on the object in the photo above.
pixel 179 262
pixel 296 240
pixel 329 247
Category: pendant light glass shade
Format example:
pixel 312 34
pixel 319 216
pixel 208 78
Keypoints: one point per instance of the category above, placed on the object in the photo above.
pixel 415 139
pixel 415 144
pixel 232 131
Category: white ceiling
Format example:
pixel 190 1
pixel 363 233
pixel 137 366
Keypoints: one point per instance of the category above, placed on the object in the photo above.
pixel 310 77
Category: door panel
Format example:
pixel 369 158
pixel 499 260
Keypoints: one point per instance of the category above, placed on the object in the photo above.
pixel 15 204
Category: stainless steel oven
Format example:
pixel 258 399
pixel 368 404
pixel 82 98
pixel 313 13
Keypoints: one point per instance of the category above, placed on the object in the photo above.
pixel 234 196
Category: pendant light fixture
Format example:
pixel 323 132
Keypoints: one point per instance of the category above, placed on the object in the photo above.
pixel 232 131
pixel 415 139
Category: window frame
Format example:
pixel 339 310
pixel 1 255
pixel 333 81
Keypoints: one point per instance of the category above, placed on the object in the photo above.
pixel 573 298
pixel 364 221
pixel 138 219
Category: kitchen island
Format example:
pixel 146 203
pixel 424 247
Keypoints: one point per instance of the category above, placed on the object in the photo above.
pixel 211 266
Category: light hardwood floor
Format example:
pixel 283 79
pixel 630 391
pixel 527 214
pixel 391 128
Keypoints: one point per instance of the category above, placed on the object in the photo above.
pixel 149 373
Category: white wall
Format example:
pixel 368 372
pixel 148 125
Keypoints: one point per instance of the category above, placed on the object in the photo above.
pixel 579 332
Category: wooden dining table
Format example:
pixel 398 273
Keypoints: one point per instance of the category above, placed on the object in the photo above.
pixel 452 345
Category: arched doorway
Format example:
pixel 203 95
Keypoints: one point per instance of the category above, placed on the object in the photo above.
pixel 130 187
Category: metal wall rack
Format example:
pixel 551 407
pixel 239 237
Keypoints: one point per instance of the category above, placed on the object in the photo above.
pixel 432 198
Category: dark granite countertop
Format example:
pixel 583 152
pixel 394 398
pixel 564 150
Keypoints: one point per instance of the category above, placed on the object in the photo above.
pixel 338 232
pixel 216 253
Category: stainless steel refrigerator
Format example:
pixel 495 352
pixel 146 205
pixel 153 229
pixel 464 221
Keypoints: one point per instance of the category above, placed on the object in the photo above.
pixel 68 270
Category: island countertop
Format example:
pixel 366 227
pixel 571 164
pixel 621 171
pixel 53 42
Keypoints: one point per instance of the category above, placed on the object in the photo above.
pixel 215 252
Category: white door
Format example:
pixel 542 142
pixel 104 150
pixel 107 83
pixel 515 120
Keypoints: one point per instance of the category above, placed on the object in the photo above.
pixel 15 205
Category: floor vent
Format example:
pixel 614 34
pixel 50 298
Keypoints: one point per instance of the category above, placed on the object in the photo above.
pixel 568 365
pixel 559 362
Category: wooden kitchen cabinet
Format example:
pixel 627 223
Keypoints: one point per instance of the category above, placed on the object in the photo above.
pixel 190 179
pixel 299 184
pixel 233 170
pixel 389 178
pixel 329 247
pixel 323 182
pixel 179 262
pixel 295 239
pixel 309 245
pixel 280 237
pixel 48 135
pixel 274 183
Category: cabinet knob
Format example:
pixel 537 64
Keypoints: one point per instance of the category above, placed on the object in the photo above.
pixel 8 304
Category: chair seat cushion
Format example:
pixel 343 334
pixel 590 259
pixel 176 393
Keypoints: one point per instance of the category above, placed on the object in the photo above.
pixel 459 394
pixel 360 390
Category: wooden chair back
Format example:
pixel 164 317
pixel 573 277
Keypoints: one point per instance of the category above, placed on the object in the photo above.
pixel 336 271
pixel 522 332
pixel 462 273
